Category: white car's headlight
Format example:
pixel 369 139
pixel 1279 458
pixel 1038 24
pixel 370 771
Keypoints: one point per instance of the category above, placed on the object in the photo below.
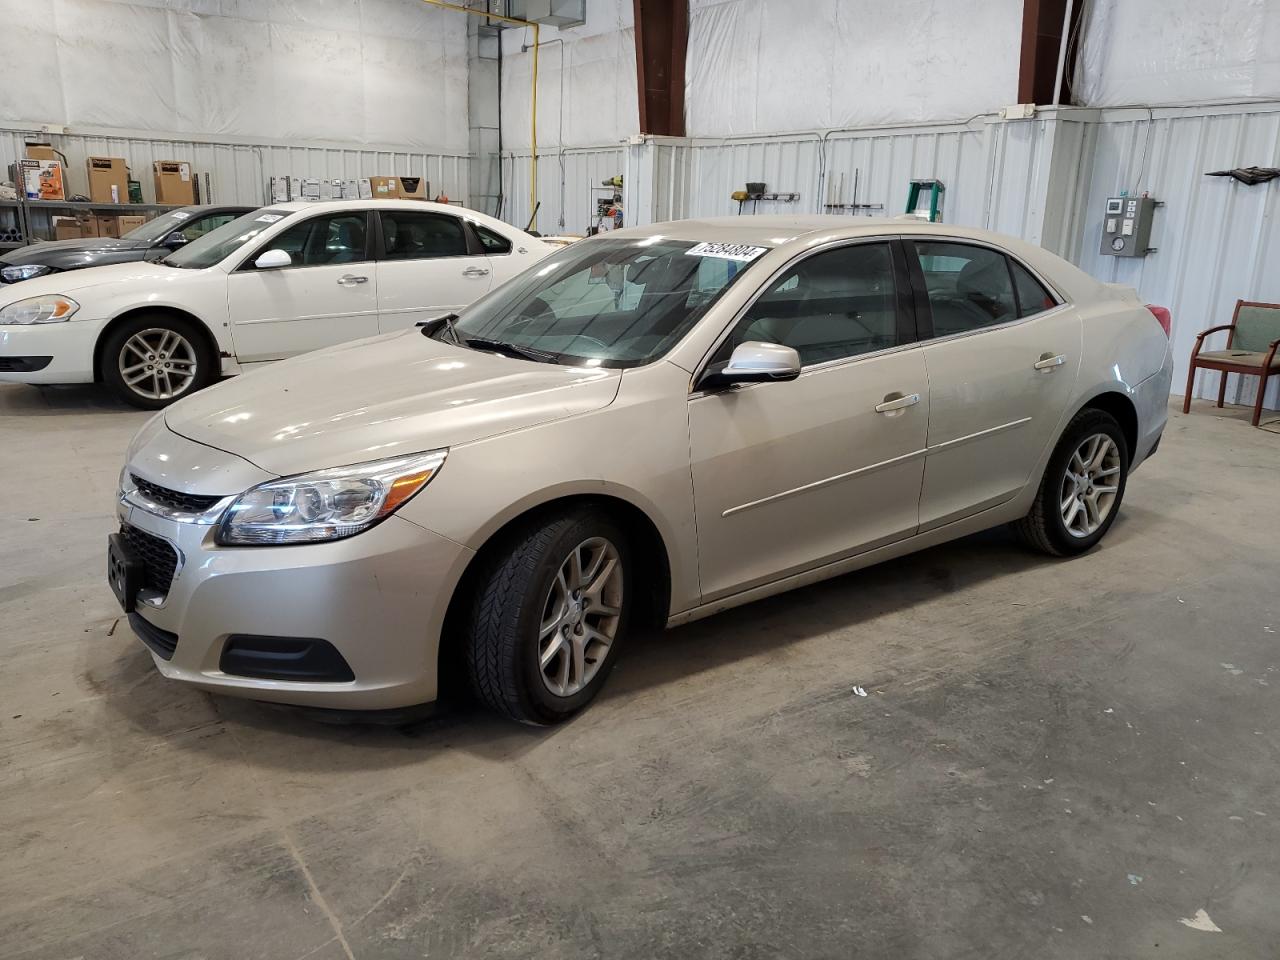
pixel 24 272
pixel 47 309
pixel 328 504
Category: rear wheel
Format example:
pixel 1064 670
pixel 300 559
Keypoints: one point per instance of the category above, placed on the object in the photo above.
pixel 152 360
pixel 549 613
pixel 1082 487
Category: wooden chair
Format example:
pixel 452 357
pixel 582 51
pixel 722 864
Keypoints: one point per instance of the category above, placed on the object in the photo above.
pixel 1251 350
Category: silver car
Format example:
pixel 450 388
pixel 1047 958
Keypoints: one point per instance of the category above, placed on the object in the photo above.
pixel 645 428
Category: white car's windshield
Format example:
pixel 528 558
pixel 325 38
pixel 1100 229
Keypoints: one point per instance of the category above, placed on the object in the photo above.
pixel 216 245
pixel 607 302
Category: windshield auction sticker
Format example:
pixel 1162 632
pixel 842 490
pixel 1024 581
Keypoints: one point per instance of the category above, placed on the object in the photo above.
pixel 269 218
pixel 727 251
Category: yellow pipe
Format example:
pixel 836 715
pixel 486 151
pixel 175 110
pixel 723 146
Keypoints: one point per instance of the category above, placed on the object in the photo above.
pixel 533 97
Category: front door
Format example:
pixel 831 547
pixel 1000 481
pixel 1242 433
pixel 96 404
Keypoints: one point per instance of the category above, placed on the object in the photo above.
pixel 1002 363
pixel 788 476
pixel 429 265
pixel 326 295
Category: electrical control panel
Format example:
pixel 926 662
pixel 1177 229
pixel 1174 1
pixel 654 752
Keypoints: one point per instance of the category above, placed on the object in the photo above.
pixel 1126 226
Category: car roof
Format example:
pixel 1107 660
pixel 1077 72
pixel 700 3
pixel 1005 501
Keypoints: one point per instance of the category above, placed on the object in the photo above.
pixel 799 231
pixel 365 203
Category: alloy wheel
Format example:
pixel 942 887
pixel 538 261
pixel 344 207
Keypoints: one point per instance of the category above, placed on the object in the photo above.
pixel 1090 485
pixel 580 616
pixel 158 364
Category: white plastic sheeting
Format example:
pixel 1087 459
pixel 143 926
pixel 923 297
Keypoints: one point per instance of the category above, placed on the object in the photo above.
pixel 390 72
pixel 1178 51
pixel 586 81
pixel 760 66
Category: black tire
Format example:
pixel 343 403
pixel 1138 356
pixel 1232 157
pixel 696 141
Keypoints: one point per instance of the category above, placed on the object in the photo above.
pixel 1044 528
pixel 192 334
pixel 508 602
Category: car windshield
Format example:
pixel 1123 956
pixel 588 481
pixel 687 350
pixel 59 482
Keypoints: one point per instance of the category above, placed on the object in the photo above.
pixel 161 226
pixel 605 302
pixel 216 245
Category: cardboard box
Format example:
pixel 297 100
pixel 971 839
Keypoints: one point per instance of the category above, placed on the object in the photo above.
pixel 280 190
pixel 126 224
pixel 107 226
pixel 108 179
pixel 66 228
pixel 174 182
pixel 39 179
pixel 384 188
pixel 41 151
pixel 412 188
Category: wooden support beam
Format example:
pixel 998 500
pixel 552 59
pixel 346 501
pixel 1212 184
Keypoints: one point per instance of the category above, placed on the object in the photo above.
pixel 1042 23
pixel 662 40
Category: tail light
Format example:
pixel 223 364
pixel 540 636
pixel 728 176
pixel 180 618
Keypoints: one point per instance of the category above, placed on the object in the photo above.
pixel 1163 317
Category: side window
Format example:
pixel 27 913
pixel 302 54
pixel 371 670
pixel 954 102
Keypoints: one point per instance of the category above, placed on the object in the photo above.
pixel 409 235
pixel 969 287
pixel 1032 296
pixel 339 238
pixel 199 226
pixel 836 304
pixel 492 241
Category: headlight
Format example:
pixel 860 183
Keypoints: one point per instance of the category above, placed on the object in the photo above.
pixel 328 504
pixel 24 272
pixel 49 309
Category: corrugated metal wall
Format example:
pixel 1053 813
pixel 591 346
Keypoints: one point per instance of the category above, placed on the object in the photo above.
pixel 239 172
pixel 566 186
pixel 1217 240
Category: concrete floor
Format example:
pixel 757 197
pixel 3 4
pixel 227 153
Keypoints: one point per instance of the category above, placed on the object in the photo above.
pixel 1053 759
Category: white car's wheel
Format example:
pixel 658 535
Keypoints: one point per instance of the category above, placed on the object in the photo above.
pixel 151 360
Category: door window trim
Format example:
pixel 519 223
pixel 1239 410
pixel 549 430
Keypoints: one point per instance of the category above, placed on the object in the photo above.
pixel 907 325
pixel 474 247
pixel 924 310
pixel 246 265
pixel 473 239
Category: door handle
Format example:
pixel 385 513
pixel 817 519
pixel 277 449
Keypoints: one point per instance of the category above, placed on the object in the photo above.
pixel 347 280
pixel 895 402
pixel 476 272
pixel 1048 361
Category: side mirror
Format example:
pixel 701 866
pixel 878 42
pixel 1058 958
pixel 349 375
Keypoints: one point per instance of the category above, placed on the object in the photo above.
pixel 174 240
pixel 753 362
pixel 273 260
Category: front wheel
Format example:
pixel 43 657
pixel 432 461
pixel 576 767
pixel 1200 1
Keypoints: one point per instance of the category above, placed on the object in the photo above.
pixel 152 360
pixel 549 613
pixel 1082 487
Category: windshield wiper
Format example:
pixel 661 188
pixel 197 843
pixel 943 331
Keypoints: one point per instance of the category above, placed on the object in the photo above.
pixel 511 349
pixel 433 326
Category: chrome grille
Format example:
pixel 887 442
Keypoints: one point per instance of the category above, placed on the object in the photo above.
pixel 173 499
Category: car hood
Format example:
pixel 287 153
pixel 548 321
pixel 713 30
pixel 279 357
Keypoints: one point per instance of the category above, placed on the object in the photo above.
pixel 156 276
pixel 394 394
pixel 57 252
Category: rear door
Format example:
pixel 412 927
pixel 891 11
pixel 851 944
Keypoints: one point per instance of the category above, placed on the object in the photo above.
pixel 1002 353
pixel 327 295
pixel 429 263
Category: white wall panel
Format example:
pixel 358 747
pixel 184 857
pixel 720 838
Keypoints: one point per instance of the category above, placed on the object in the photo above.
pixel 1217 240
pixel 239 171
pixel 564 182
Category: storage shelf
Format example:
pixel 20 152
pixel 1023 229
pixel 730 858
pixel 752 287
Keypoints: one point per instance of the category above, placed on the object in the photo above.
pixel 89 205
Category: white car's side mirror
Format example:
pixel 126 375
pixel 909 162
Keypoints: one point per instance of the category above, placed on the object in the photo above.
pixel 273 260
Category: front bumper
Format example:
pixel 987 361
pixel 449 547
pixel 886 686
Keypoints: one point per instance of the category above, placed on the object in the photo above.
pixel 379 598
pixel 69 344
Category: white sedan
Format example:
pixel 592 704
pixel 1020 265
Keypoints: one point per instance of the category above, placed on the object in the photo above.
pixel 280 281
